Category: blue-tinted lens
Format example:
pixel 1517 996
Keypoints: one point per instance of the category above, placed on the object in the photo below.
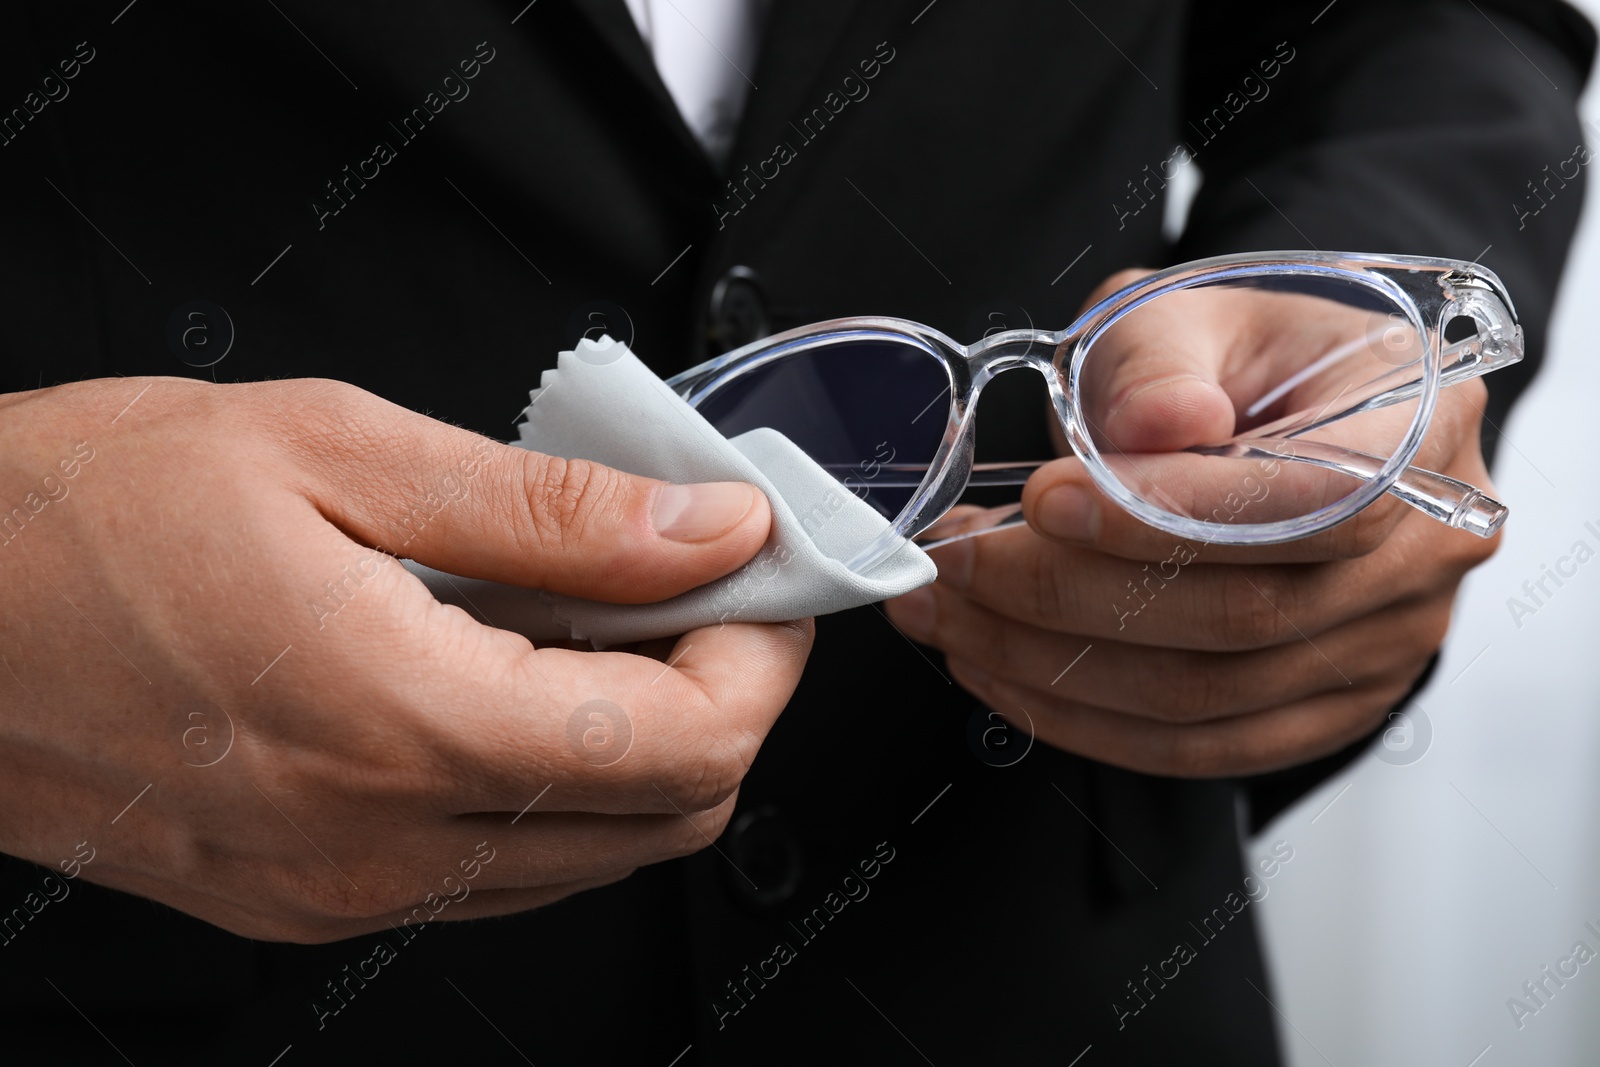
pixel 872 411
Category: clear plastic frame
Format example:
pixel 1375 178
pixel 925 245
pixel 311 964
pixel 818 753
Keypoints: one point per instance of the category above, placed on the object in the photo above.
pixel 1333 378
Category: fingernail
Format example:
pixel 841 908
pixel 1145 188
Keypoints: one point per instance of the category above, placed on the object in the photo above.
pixel 914 612
pixel 701 512
pixel 1069 512
pixel 1167 413
pixel 1144 388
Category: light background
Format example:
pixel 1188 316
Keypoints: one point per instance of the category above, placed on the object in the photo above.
pixel 1426 894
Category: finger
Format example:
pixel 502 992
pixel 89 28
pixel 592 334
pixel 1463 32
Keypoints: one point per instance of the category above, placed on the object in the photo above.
pixel 536 847
pixel 432 871
pixel 963 518
pixel 467 854
pixel 467 505
pixel 1175 602
pixel 1184 686
pixel 404 923
pixel 305 915
pixel 1153 379
pixel 1062 502
pixel 1182 601
pixel 1229 495
pixel 1249 744
pixel 436 708
pixel 492 903
pixel 617 733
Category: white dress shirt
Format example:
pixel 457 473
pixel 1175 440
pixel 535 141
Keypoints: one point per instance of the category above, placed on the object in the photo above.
pixel 705 52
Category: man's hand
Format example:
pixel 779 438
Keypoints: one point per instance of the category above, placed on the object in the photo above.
pixel 217 676
pixel 1135 647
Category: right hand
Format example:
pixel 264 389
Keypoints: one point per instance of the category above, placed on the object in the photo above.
pixel 1204 659
pixel 210 575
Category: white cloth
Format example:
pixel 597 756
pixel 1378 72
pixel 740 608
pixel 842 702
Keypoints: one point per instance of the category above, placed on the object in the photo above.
pixel 602 404
pixel 705 52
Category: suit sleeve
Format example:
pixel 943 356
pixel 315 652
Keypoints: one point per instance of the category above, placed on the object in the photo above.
pixel 1430 127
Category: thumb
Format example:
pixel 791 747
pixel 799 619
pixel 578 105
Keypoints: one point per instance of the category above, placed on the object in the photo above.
pixel 1152 381
pixel 461 503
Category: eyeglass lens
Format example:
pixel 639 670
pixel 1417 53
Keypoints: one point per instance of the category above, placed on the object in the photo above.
pixel 871 411
pixel 1200 365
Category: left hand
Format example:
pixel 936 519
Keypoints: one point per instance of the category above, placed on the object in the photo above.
pixel 1234 660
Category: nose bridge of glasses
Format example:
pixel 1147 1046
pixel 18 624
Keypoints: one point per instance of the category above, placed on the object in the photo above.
pixel 1008 350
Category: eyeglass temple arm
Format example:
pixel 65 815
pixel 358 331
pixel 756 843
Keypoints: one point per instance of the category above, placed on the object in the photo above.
pixel 1452 502
pixel 1470 358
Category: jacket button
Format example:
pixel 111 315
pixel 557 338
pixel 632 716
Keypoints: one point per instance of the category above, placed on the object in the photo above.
pixel 765 863
pixel 738 311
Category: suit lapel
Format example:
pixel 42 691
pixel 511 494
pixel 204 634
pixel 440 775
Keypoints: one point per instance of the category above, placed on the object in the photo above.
pixel 614 25
pixel 797 55
pixel 798 45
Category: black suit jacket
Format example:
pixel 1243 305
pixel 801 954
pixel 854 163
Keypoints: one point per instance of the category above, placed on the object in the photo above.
pixel 962 164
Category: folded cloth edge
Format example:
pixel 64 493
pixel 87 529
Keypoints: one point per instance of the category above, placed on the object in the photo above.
pixel 817 524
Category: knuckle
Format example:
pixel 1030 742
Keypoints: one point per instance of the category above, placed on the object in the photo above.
pixel 326 394
pixel 725 770
pixel 1474 394
pixel 1254 606
pixel 684 839
pixel 314 898
pixel 329 406
pixel 1367 531
pixel 718 773
pixel 1429 625
pixel 320 903
pixel 1479 549
pixel 1465 551
pixel 714 822
pixel 1345 722
pixel 562 496
pixel 1436 625
pixel 320 419
pixel 1044 585
pixel 384 896
pixel 1193 687
pixel 997 647
pixel 1199 754
pixel 698 831
pixel 1002 650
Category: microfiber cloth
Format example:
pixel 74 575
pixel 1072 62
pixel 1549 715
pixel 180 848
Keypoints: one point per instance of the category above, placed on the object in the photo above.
pixel 602 404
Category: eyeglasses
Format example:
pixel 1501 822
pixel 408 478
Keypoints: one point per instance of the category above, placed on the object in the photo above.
pixel 1246 400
